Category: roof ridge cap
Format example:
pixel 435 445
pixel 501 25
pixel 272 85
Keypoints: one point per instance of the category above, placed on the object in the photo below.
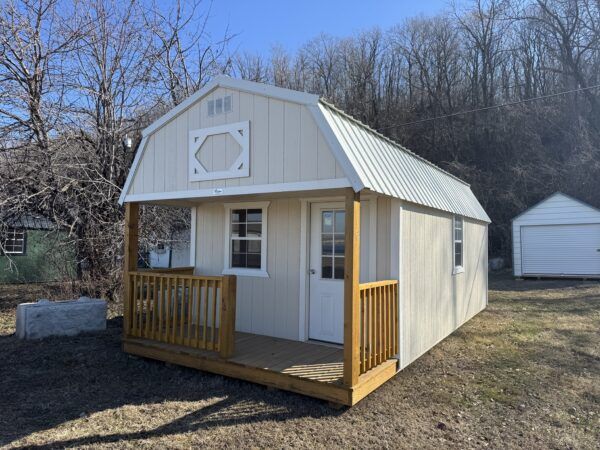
pixel 387 139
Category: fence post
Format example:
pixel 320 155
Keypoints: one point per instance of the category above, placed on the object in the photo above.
pixel 227 325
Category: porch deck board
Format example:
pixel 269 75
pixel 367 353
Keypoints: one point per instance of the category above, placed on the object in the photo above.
pixel 317 362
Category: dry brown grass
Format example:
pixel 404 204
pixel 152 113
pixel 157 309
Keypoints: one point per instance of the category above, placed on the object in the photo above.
pixel 524 373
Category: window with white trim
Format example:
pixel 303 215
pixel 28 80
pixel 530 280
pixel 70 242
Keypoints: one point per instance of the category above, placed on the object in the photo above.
pixel 14 242
pixel 246 239
pixel 458 234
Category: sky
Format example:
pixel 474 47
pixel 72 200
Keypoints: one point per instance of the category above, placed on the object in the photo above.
pixel 261 24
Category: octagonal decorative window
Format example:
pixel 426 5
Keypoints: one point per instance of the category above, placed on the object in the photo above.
pixel 220 152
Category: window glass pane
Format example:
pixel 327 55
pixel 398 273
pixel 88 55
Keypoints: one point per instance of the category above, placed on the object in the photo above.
pixel 238 215
pixel 253 261
pixel 339 244
pixel 458 254
pixel 253 246
pixel 254 230
pixel 254 215
pixel 211 107
pixel 340 221
pixel 227 103
pixel 326 269
pixel 238 246
pixel 326 244
pixel 218 106
pixel 339 268
pixel 238 260
pixel 238 230
pixel 327 222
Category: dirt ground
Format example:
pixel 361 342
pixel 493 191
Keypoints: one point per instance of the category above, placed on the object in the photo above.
pixel 523 373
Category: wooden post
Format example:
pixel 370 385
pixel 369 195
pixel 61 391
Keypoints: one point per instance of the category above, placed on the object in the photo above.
pixel 227 325
pixel 132 213
pixel 351 290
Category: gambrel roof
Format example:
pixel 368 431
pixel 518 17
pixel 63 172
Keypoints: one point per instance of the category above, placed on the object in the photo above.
pixel 369 159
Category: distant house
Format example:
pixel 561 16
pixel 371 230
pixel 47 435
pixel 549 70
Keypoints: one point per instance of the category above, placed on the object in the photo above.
pixel 174 254
pixel 558 237
pixel 34 249
pixel 325 257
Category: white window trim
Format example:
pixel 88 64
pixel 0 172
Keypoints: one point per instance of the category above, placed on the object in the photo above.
pixel 240 271
pixel 13 232
pixel 458 269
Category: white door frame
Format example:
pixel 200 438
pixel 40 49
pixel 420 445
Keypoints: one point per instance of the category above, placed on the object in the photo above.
pixel 304 291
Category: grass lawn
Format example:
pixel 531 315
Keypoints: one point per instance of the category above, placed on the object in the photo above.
pixel 523 373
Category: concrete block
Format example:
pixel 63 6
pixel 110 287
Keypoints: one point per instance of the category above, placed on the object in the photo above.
pixel 66 318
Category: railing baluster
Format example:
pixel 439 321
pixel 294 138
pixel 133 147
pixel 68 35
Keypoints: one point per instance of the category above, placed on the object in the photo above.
pixel 161 301
pixel 205 321
pixel 214 321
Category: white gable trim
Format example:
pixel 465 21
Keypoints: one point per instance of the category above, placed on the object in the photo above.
pixel 333 183
pixel 133 170
pixel 338 151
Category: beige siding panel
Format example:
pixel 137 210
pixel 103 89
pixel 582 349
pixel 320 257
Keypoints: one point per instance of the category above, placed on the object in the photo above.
pixel 308 145
pixel 276 132
pixel 160 149
pixel 383 237
pixel 267 306
pixel 291 157
pixel 434 302
pixel 326 161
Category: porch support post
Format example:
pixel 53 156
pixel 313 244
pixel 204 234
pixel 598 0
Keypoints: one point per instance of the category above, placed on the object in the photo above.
pixel 351 289
pixel 132 213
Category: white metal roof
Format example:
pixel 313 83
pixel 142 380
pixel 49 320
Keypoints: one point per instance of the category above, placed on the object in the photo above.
pixel 386 167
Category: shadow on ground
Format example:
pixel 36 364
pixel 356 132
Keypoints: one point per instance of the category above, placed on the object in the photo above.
pixel 53 381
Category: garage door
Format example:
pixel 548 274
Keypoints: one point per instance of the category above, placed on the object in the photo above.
pixel 561 249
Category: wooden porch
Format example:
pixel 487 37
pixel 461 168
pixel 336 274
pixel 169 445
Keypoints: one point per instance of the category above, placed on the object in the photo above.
pixel 186 319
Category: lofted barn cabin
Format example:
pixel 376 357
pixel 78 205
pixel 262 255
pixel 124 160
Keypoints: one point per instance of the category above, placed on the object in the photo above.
pixel 324 257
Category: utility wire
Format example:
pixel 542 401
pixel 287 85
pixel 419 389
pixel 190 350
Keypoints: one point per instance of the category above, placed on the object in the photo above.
pixel 460 113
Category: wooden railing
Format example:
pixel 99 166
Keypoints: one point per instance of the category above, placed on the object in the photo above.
pixel 169 270
pixel 193 311
pixel 378 323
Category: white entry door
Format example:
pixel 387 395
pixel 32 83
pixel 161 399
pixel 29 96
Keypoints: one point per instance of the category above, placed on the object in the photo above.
pixel 326 306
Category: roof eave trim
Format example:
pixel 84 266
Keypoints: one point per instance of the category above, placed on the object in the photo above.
pixel 338 151
pixel 132 171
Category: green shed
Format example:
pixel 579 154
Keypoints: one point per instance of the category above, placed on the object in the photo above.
pixel 33 249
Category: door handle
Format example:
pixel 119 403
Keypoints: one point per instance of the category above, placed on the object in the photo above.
pixel 313 271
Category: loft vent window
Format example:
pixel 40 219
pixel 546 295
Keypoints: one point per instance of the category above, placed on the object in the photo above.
pixel 220 105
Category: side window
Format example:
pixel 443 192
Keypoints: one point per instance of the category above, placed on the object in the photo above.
pixel 246 239
pixel 458 243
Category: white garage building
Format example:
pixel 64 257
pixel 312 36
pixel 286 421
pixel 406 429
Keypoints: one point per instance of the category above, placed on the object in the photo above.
pixel 558 237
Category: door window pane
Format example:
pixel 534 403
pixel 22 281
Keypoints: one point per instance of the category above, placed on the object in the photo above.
pixel 327 222
pixel 339 268
pixel 340 221
pixel 326 267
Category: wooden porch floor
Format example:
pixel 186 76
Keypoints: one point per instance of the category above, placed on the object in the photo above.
pixel 307 368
